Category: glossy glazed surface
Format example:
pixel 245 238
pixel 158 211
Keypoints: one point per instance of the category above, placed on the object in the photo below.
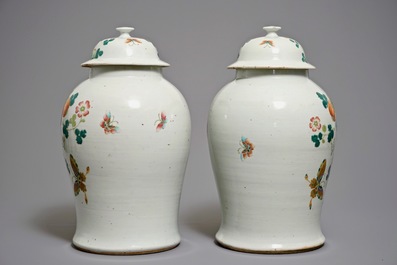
pixel 272 52
pixel 125 50
pixel 126 146
pixel 264 157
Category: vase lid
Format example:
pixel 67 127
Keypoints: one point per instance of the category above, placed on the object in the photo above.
pixel 124 50
pixel 271 52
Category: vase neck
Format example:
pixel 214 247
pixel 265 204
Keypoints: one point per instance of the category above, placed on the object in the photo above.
pixel 125 71
pixel 246 73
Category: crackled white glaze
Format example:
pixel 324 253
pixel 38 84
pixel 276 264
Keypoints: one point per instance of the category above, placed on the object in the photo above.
pixel 261 129
pixel 127 159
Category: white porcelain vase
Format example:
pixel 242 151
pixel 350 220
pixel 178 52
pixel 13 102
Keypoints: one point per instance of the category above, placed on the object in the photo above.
pixel 126 133
pixel 271 134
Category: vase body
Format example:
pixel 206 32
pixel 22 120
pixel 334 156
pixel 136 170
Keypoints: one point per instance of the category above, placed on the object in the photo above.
pixel 126 133
pixel 271 137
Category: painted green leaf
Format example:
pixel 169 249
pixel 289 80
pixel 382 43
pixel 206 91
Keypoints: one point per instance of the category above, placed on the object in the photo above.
pixel 80 135
pixel 295 42
pixel 320 136
pixel 330 136
pixel 97 53
pixel 323 98
pixel 330 127
pixel 324 128
pixel 65 128
pixel 73 98
pixel 315 140
pixel 83 133
pixel 106 42
pixel 73 120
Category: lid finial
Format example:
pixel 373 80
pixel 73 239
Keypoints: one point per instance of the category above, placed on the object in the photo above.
pixel 271 31
pixel 124 31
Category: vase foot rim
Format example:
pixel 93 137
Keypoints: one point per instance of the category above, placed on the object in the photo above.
pixel 257 251
pixel 126 252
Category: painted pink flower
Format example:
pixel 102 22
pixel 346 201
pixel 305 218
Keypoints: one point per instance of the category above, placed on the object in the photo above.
pixel 109 124
pixel 82 108
pixel 160 123
pixel 315 123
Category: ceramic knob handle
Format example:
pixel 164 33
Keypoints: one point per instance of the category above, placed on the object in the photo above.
pixel 124 31
pixel 271 30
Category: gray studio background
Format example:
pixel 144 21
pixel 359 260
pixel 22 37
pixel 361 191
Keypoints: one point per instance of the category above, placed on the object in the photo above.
pixel 352 44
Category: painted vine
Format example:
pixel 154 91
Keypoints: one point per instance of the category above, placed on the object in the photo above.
pixel 98 52
pixel 72 124
pixel 323 132
pixel 297 45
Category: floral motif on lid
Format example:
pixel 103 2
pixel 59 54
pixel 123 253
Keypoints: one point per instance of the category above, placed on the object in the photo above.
pixel 272 52
pixel 125 50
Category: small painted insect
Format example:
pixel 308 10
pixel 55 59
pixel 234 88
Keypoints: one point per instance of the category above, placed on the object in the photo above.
pixel 133 41
pixel 316 184
pixel 160 123
pixel 246 148
pixel 109 124
pixel 267 43
pixel 79 179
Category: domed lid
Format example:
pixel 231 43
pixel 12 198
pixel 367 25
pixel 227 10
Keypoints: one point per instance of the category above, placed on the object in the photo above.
pixel 124 50
pixel 271 52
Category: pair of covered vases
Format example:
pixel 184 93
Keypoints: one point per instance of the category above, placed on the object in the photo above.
pixel 126 140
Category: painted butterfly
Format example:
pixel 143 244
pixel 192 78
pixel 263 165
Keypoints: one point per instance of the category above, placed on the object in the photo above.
pixel 79 179
pixel 316 184
pixel 160 123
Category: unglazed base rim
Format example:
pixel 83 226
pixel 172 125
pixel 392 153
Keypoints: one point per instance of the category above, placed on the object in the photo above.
pixel 124 253
pixel 275 252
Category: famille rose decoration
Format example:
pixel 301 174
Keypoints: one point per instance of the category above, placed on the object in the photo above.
pixel 126 138
pixel 271 134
